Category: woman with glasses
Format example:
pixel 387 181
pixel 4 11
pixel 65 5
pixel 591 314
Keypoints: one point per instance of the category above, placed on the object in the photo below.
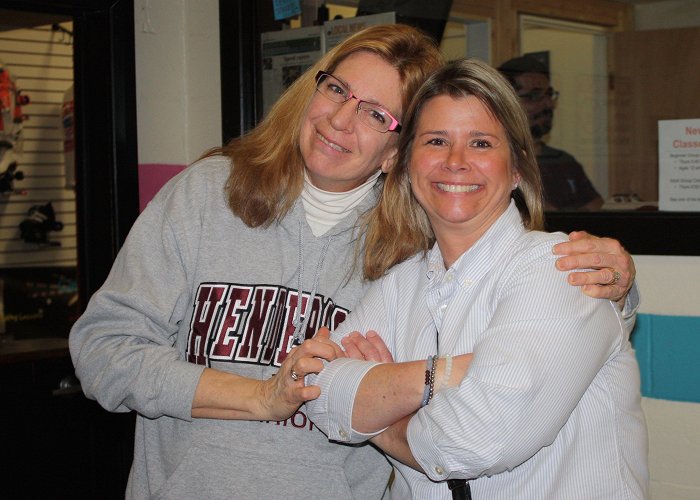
pixel 524 387
pixel 243 256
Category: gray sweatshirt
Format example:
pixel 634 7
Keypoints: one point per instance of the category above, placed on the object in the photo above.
pixel 193 286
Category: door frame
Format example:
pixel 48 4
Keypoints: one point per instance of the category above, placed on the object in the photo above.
pixel 105 129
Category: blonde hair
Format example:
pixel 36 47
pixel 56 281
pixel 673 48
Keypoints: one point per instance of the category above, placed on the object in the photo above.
pixel 398 227
pixel 267 171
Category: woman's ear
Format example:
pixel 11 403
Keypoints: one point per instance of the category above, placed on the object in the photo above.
pixel 516 171
pixel 390 160
pixel 516 180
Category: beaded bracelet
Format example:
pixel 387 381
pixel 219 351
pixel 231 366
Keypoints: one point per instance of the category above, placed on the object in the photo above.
pixel 430 368
pixel 448 371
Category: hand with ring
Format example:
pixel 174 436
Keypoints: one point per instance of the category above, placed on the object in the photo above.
pixel 612 267
pixel 281 395
pixel 616 277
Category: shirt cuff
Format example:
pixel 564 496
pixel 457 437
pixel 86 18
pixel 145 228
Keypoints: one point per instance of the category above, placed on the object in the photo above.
pixel 430 457
pixel 179 388
pixel 332 410
pixel 629 311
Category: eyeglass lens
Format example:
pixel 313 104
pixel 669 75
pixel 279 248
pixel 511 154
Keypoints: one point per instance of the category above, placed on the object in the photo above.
pixel 372 115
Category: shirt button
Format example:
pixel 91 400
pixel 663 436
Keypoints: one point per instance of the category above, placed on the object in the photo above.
pixel 343 434
pixel 439 470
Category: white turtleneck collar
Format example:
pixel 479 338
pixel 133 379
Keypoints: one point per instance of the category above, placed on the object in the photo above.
pixel 325 209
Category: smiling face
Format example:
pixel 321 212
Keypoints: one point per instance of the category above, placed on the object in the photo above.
pixel 461 170
pixel 340 152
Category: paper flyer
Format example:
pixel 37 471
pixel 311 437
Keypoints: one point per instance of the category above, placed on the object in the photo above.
pixel 287 54
pixel 339 29
pixel 679 165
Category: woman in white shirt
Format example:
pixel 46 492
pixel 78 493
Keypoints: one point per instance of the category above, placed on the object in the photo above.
pixel 547 405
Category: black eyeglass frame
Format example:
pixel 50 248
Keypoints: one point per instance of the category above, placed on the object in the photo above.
pixel 539 95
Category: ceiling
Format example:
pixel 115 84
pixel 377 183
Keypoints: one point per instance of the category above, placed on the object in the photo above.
pixel 13 19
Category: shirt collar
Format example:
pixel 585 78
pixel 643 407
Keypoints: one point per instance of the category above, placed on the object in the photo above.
pixel 324 209
pixel 477 261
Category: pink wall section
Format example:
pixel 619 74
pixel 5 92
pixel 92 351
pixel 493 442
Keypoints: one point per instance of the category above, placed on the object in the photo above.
pixel 152 176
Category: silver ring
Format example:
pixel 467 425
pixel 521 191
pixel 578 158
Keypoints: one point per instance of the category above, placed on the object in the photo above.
pixel 616 277
pixel 294 375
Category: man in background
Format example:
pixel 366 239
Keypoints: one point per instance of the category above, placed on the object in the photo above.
pixel 566 185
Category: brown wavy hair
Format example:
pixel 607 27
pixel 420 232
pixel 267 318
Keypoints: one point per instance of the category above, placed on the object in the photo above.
pixel 398 227
pixel 267 169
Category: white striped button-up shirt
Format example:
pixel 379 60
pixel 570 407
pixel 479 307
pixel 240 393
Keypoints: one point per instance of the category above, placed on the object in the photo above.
pixel 550 406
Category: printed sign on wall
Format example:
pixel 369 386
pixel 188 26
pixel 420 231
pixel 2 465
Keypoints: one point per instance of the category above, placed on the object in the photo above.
pixel 679 165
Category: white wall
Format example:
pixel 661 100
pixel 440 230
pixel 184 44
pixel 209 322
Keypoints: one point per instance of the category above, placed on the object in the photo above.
pixel 178 89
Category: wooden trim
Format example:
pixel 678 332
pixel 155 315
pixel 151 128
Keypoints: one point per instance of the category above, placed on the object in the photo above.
pixel 600 12
pixel 474 8
pixel 504 15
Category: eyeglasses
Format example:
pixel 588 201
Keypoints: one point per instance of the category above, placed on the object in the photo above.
pixel 372 115
pixel 538 95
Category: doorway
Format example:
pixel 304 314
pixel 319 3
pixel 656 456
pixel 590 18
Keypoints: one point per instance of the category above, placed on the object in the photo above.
pixel 578 65
pixel 38 245
pixel 106 185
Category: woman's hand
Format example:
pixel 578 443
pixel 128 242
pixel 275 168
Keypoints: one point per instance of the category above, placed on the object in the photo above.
pixel 281 395
pixel 369 347
pixel 613 272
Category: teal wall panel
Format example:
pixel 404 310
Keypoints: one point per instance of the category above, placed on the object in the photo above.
pixel 668 351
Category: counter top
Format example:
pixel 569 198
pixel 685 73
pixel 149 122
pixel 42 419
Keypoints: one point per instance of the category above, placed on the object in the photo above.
pixel 13 351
